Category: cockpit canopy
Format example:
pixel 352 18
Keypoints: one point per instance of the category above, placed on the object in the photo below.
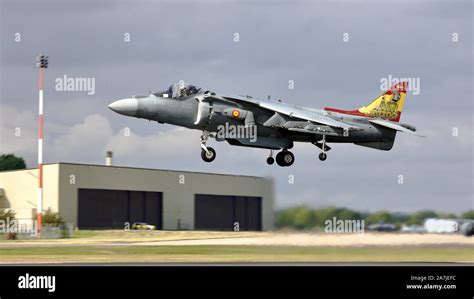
pixel 178 90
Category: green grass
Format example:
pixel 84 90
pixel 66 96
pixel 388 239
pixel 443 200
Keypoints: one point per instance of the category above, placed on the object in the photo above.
pixel 233 254
pixel 85 234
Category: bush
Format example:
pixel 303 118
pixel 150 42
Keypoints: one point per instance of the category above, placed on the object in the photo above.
pixel 10 236
pixel 380 216
pixel 301 218
pixel 52 218
pixel 11 162
pixel 419 217
pixel 400 217
pixel 297 218
pixel 329 213
pixel 468 215
pixel 447 215
pixel 4 215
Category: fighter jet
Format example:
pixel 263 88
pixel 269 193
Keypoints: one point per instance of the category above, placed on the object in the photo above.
pixel 275 125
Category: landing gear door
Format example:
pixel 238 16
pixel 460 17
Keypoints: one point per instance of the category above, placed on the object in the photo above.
pixel 203 114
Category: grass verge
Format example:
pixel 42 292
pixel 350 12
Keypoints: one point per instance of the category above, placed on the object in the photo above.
pixel 216 253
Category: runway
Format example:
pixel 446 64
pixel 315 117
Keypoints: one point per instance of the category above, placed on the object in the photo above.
pixel 190 248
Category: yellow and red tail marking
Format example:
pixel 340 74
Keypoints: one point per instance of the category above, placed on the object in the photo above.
pixel 388 106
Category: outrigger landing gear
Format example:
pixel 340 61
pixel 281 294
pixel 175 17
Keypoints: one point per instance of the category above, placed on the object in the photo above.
pixel 323 156
pixel 208 154
pixel 270 159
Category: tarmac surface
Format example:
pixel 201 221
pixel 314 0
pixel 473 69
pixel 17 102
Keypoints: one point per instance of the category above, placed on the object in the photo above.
pixel 201 248
pixel 292 239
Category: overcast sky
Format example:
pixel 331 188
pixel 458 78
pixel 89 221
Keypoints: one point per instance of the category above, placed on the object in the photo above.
pixel 278 41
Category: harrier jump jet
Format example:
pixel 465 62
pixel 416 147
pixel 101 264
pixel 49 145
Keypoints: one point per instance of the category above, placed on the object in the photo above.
pixel 277 125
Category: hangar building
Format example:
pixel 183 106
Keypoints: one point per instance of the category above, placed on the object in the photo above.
pixel 99 196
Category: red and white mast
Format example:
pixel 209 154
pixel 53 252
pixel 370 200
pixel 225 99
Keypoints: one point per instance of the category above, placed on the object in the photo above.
pixel 42 63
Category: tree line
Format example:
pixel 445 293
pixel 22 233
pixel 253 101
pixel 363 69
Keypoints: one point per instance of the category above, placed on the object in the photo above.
pixel 303 217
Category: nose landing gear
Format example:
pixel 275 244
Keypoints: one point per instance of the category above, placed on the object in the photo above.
pixel 208 154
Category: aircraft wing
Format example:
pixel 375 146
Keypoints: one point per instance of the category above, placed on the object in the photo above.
pixel 298 112
pixel 289 110
pixel 394 126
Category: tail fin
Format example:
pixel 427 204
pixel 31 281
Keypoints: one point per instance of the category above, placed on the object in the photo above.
pixel 389 105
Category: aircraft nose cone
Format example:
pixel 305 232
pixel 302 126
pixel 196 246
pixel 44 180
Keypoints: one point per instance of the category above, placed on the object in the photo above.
pixel 126 106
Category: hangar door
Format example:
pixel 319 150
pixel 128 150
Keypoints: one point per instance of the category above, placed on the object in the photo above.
pixel 100 208
pixel 220 212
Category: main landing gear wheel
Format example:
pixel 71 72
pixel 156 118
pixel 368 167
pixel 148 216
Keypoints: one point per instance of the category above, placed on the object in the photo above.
pixel 323 156
pixel 270 160
pixel 285 158
pixel 208 155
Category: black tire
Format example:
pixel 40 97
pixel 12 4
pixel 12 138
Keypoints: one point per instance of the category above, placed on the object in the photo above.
pixel 279 159
pixel 323 156
pixel 270 160
pixel 208 157
pixel 285 158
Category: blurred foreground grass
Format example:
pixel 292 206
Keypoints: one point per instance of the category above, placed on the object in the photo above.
pixel 226 253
